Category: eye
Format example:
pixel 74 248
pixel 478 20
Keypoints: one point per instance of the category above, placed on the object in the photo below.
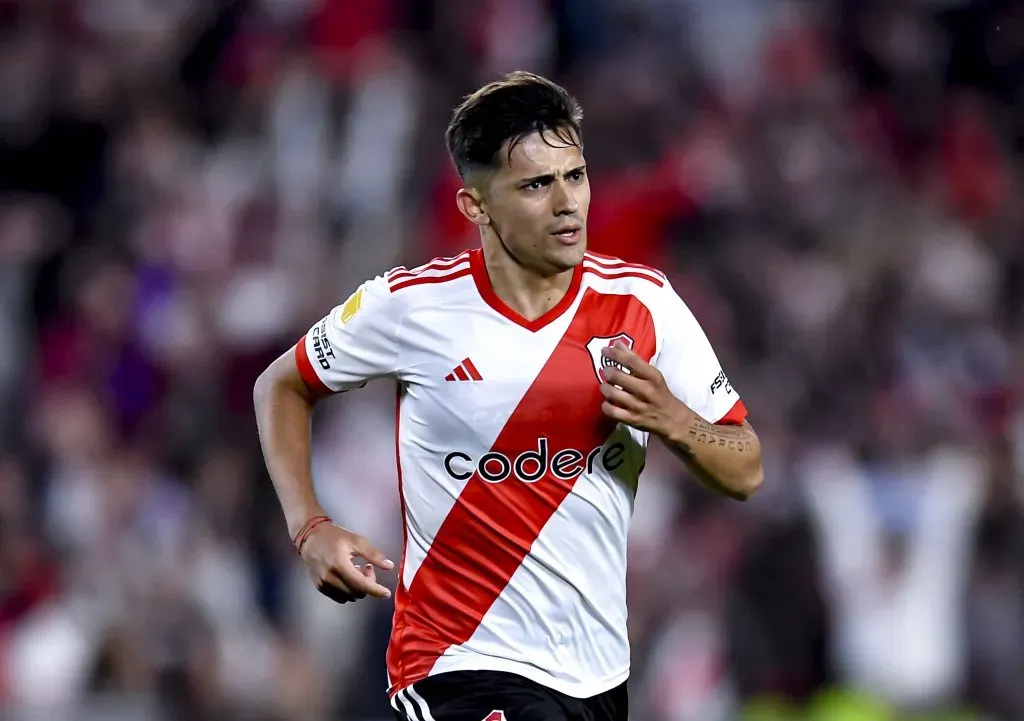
pixel 576 175
pixel 535 185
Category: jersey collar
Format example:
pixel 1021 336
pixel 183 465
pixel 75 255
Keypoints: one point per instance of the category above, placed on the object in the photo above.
pixel 483 286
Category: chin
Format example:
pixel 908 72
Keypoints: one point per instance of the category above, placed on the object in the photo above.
pixel 570 256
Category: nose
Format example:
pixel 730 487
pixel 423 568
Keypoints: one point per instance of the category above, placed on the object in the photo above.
pixel 563 200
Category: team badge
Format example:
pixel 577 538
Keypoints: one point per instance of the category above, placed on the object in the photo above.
pixel 594 346
pixel 351 306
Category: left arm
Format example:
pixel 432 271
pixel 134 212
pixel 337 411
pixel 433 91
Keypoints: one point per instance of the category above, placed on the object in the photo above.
pixel 725 458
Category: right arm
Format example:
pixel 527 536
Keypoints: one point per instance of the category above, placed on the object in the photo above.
pixel 284 409
pixel 353 343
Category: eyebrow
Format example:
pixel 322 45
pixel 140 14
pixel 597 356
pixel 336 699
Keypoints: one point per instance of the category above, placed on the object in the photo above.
pixel 551 176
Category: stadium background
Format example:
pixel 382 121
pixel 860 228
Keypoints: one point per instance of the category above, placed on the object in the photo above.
pixel 833 186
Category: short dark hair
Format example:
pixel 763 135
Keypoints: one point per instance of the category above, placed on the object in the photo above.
pixel 510 109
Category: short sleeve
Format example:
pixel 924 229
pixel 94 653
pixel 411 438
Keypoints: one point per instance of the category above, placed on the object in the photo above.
pixel 354 343
pixel 691 367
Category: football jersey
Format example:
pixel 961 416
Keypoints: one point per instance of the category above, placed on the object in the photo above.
pixel 516 490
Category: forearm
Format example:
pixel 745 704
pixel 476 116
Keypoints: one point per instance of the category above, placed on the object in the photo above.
pixel 727 459
pixel 283 418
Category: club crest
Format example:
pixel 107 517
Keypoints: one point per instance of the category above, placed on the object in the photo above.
pixel 594 346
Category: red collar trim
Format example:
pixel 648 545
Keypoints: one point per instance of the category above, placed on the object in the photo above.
pixel 483 285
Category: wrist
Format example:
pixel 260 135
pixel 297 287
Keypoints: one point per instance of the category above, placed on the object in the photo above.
pixel 679 421
pixel 307 530
pixel 298 520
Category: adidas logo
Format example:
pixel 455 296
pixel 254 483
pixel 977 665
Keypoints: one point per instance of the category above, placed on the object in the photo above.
pixel 464 371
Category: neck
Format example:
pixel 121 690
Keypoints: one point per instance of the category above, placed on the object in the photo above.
pixel 525 290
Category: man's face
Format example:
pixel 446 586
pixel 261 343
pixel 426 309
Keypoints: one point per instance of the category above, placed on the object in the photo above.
pixel 538 200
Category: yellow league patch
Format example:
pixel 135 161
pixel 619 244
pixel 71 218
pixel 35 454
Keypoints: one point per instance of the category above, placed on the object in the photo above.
pixel 351 306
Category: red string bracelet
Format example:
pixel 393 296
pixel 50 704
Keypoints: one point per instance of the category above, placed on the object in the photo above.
pixel 305 527
pixel 303 535
pixel 309 532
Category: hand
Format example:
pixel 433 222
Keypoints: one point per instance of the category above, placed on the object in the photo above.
pixel 639 398
pixel 330 552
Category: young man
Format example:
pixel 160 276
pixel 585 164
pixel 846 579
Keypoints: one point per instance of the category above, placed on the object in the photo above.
pixel 530 376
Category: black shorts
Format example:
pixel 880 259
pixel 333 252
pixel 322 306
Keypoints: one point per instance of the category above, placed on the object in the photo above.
pixel 499 696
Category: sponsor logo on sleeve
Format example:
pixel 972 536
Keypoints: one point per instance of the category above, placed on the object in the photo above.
pixel 721 381
pixel 322 348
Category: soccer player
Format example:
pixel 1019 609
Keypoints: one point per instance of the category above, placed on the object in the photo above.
pixel 530 376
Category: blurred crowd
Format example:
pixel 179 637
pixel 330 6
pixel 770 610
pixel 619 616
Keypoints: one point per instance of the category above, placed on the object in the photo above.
pixel 832 185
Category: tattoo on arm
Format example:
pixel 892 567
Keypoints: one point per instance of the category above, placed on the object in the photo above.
pixel 700 433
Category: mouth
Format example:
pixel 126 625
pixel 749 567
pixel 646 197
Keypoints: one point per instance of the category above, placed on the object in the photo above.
pixel 569 234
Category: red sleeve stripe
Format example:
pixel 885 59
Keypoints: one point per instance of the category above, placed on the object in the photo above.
pixel 436 264
pixel 622 274
pixel 622 267
pixel 607 261
pixel 306 370
pixel 611 262
pixel 735 417
pixel 427 273
pixel 425 280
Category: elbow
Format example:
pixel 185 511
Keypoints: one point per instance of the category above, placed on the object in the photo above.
pixel 261 389
pixel 280 381
pixel 751 480
pixel 749 476
pixel 267 387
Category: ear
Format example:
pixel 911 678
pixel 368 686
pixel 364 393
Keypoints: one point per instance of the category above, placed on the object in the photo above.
pixel 471 205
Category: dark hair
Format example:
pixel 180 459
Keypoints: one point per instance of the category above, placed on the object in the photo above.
pixel 510 109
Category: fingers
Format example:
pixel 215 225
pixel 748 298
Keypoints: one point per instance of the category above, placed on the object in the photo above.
pixel 364 549
pixel 627 402
pixel 621 398
pixel 337 590
pixel 364 580
pixel 368 572
pixel 636 386
pixel 629 360
pixel 332 563
pixel 371 578
pixel 360 584
pixel 620 414
pixel 352 584
pixel 335 594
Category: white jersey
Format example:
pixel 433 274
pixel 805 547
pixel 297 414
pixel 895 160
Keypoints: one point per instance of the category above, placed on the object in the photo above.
pixel 516 490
